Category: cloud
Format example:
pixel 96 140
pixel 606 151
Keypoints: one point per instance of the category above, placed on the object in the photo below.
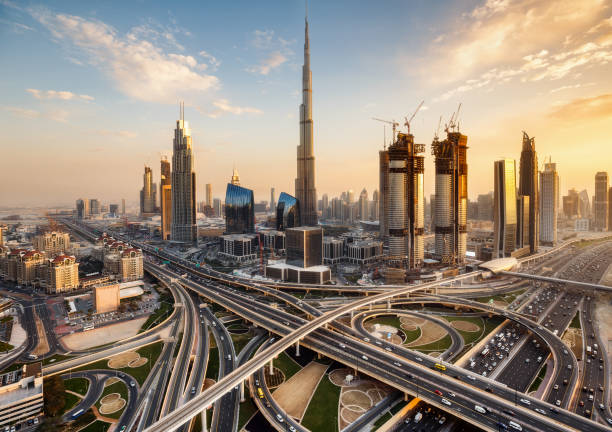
pixel 15 27
pixel 276 51
pixel 212 60
pixel 223 106
pixel 54 94
pixel 273 61
pixel 57 115
pixel 139 67
pixel 509 35
pixel 591 108
pixel 570 87
pixel 119 133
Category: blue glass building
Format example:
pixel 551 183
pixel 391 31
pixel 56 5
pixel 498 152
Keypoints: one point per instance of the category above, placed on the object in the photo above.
pixel 287 212
pixel 239 210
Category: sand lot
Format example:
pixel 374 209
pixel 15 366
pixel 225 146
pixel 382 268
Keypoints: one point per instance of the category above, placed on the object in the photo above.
pixel 294 394
pixel 430 332
pixel 103 335
pixel 111 403
pixel 465 326
pixel 43 344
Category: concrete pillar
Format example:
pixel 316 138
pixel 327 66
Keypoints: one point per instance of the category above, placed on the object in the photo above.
pixel 388 303
pixel 406 397
pixel 242 398
pixel 297 349
pixel 204 428
pixel 352 313
pixel 271 367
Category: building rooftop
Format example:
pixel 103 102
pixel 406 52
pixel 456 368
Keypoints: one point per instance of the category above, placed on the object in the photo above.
pixel 243 237
pixel 283 265
pixel 305 228
pixel 500 264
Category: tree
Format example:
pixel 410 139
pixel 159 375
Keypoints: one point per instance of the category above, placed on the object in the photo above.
pixel 54 395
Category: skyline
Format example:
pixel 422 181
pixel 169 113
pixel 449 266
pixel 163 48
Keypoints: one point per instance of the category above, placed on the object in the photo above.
pixel 243 92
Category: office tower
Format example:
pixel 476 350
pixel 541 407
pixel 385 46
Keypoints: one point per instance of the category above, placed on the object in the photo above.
pixel 571 204
pixel 208 194
pixel 350 196
pixel 549 203
pixel 325 206
pixel 363 205
pixel 113 210
pixel 528 185
pixel 609 212
pixel 305 191
pixel 235 178
pixel 522 221
pixel 239 210
pixel 217 207
pixel 287 212
pixel 122 206
pixel 304 246
pixel 148 198
pixel 383 187
pixel 485 206
pixel 94 206
pixel 600 201
pixel 472 212
pixel 504 217
pixel 450 223
pixel 81 208
pixel 165 199
pixel 405 215
pixel 184 227
pixel 272 199
pixel 585 204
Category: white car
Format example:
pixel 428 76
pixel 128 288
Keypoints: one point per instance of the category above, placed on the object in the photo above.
pixel 419 359
pixel 446 402
pixel 526 401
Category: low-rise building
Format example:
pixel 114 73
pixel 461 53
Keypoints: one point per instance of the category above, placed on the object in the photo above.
pixel 333 250
pixel 106 298
pixel 21 394
pixel 582 225
pixel 238 247
pixel 319 274
pixel 274 241
pixel 365 251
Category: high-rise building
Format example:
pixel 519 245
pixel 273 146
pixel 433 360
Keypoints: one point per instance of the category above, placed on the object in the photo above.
pixel 62 274
pixel 165 199
pixel 304 246
pixel 184 228
pixel 82 208
pixel 217 207
pixel 522 221
pixel 208 194
pixel 122 206
pixel 609 213
pixel 325 206
pixel 528 185
pixel 383 202
pixel 287 212
pixel 405 215
pixel 450 223
pixel 305 190
pixel 600 201
pixel 272 199
pixel 375 205
pixel 485 206
pixel 504 217
pixel 571 204
pixel 585 204
pixel 239 210
pixel 549 203
pixel 94 206
pixel 113 210
pixel 148 194
pixel 363 205
pixel 52 243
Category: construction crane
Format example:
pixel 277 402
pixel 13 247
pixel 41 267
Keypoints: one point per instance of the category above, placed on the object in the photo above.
pixel 436 135
pixel 407 123
pixel 453 123
pixel 393 123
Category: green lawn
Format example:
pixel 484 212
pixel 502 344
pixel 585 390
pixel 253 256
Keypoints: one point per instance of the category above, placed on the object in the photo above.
pixel 576 321
pixel 437 346
pixel 159 314
pixel 247 409
pixel 97 426
pixel 322 412
pixel 469 337
pixel 55 358
pixel 118 387
pixel 391 320
pixel 538 380
pixel 212 370
pixel 78 385
pixel 412 335
pixel 5 346
pixel 287 365
pixel 240 341
pixel 397 407
pixel 382 420
pixel 71 402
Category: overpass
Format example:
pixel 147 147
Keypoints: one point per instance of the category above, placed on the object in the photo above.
pixel 550 279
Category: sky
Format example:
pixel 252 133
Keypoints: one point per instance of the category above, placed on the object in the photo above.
pixel 89 92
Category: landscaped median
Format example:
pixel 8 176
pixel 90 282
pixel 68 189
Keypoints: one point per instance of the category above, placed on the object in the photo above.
pixel 114 399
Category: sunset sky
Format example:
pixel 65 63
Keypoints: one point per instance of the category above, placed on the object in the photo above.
pixel 89 92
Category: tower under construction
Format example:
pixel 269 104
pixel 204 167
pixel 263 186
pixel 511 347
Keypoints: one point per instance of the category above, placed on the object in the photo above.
pixel 450 223
pixel 405 207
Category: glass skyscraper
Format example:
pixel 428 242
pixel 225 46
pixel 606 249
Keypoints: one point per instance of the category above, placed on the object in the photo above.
pixel 287 212
pixel 239 210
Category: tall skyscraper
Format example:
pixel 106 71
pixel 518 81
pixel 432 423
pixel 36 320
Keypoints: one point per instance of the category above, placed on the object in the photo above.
pixel 235 178
pixel 363 205
pixel 209 195
pixel 600 201
pixel 165 199
pixel 522 221
pixel 122 206
pixel 148 192
pixel 528 185
pixel 610 209
pixel 571 204
pixel 504 216
pixel 272 199
pixel 375 205
pixel 405 215
pixel 94 206
pixel 184 228
pixel 451 197
pixel 549 203
pixel 485 206
pixel 585 204
pixel 305 190
pixel 82 208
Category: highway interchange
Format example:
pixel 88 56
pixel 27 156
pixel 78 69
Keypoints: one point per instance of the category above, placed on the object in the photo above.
pixel 191 284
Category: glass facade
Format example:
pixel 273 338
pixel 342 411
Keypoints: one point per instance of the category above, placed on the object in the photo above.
pixel 239 210
pixel 287 212
pixel 304 246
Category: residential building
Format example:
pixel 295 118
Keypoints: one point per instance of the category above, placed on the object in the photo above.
pixel 62 274
pixel 131 265
pixel 82 208
pixel 571 204
pixel 272 199
pixel 364 251
pixel 184 228
pixel 52 243
pixel 333 250
pixel 209 194
pixel 217 207
pixel 485 206
pixel 549 204
pixel 94 207
pixel 238 247
pixel 364 208
pixel 523 220
pixel 27 266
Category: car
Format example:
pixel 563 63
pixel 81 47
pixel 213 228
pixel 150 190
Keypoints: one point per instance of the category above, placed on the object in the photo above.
pixel 438 392
pixel 446 402
pixel 364 357
pixel 193 390
pixel 442 420
pixel 279 418
pixel 473 378
pixel 132 383
pixel 541 411
pixel 397 364
pixel 122 428
pixel 509 412
pixel 451 394
pixel 558 402
pixel 525 401
pixel 419 359
pixel 609 420
pixel 581 403
pixel 601 406
pixel 556 386
pixel 342 346
pixel 292 429
pixel 565 381
pixel 366 339
pixel 388 348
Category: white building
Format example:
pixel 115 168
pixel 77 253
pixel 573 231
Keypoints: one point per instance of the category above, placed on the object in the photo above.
pixel 549 204
pixel 21 394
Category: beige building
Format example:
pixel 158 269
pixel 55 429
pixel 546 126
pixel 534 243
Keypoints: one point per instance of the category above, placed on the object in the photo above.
pixel 21 394
pixel 2 229
pixel 62 274
pixel 27 267
pixel 132 266
pixel 106 297
pixel 52 243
